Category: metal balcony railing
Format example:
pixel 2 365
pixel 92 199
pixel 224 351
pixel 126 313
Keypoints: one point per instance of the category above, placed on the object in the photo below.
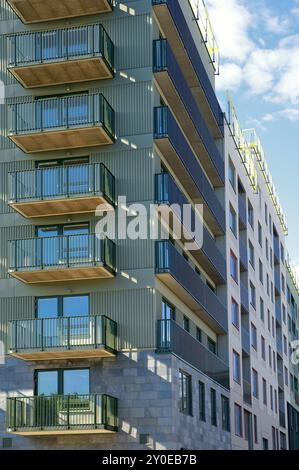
pixel 62 113
pixel 172 338
pixel 62 252
pixel 68 181
pixel 63 333
pixel 58 413
pixel 165 126
pixel 57 45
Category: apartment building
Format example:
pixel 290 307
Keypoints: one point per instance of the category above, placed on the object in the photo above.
pixel 111 343
pixel 291 319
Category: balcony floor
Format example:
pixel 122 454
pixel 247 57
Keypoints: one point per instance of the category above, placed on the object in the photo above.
pixel 59 73
pixel 63 275
pixel 59 207
pixel 36 11
pixel 48 141
pixel 48 355
pixel 55 432
pixel 172 97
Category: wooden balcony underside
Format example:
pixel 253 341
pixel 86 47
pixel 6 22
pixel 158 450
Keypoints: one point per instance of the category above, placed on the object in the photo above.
pixel 36 11
pixel 57 432
pixel 52 354
pixel 57 207
pixel 63 275
pixel 48 141
pixel 59 73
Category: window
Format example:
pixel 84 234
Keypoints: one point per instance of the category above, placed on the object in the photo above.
pixel 238 421
pixel 266 214
pixel 260 235
pixel 263 348
pixel 251 254
pixel 264 392
pixel 234 267
pixel 232 175
pixel 267 249
pixel 261 272
pixel 283 441
pixel 283 285
pixel 271 258
pixel 198 334
pixel 284 314
pixel 285 345
pixel 255 429
pixel 186 324
pixel 274 444
pixel 265 444
pixel 62 382
pixel 275 401
pixel 225 413
pixel 213 407
pixel 202 401
pixel 185 393
pixel 268 284
pixel 286 376
pixel 270 357
pixel 236 367
pixel 212 346
pixel 250 214
pixel 232 220
pixel 282 253
pixel 262 310
pixel 270 224
pixel 235 314
pixel 168 311
pixel 253 336
pixel 271 397
pixel 269 320
pixel 255 384
pixel 252 295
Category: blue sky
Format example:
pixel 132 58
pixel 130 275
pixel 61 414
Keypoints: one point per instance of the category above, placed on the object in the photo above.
pixel 259 47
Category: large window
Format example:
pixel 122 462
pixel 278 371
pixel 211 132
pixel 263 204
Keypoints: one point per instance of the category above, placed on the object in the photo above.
pixel 238 421
pixel 185 393
pixel 234 266
pixel 202 401
pixel 213 407
pixel 236 367
pixel 62 382
pixel 225 412
pixel 62 306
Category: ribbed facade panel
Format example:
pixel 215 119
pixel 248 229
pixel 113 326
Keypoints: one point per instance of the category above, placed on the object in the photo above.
pixel 11 233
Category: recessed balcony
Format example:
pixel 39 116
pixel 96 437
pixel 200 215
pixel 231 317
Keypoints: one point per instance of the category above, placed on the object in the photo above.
pixel 172 84
pixel 78 337
pixel 61 56
pixel 62 258
pixel 38 11
pixel 62 190
pixel 172 206
pixel 178 275
pixel 172 144
pixel 172 22
pixel 62 414
pixel 69 122
pixel 174 339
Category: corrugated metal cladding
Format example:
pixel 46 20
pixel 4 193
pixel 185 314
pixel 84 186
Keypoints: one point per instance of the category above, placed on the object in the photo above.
pixel 11 233
pixel 5 169
pixel 131 169
pixel 6 13
pixel 5 142
pixel 12 308
pixel 6 77
pixel 133 310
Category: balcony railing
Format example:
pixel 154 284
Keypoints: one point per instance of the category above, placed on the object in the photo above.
pixel 63 337
pixel 37 11
pixel 61 56
pixel 61 190
pixel 173 269
pixel 62 414
pixel 173 84
pixel 60 258
pixel 186 166
pixel 168 193
pixel 72 121
pixel 169 12
pixel 172 338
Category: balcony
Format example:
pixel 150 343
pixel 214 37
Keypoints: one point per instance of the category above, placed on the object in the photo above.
pixel 278 313
pixel 174 25
pixel 172 143
pixel 61 56
pixel 174 270
pixel 246 346
pixel 276 250
pixel 279 346
pixel 77 337
pixel 244 297
pixel 62 414
pixel 171 82
pixel 243 256
pixel 69 122
pixel 282 418
pixel 247 392
pixel 62 190
pixel 171 203
pixel 38 11
pixel 242 213
pixel 277 281
pixel 174 339
pixel 62 258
